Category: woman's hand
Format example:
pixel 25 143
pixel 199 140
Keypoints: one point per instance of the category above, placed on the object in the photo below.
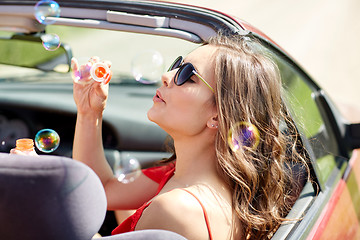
pixel 90 96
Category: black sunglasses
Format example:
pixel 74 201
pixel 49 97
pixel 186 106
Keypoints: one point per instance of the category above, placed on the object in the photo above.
pixel 185 72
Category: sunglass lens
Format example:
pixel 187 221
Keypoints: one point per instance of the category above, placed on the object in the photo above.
pixel 176 63
pixel 184 73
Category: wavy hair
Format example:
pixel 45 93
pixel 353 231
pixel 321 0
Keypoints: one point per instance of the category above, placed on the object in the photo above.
pixel 248 89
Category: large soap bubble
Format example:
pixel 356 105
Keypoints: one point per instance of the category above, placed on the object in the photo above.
pixel 127 169
pixel 148 67
pixel 243 134
pixel 47 140
pixel 46 11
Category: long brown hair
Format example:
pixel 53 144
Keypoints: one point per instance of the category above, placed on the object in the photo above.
pixel 248 89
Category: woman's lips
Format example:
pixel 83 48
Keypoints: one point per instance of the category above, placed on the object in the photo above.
pixel 157 97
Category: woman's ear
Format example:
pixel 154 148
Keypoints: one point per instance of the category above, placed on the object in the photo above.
pixel 213 122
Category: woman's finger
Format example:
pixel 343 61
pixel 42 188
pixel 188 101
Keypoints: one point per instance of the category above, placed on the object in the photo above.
pixel 74 64
pixel 108 77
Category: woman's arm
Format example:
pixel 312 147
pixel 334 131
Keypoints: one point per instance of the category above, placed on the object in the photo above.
pixel 90 98
pixel 88 148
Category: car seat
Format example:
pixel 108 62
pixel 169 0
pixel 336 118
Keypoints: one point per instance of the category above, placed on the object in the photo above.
pixel 52 197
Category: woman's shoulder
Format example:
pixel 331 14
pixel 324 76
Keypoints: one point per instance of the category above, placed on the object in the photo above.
pixel 177 211
pixel 179 201
pixel 177 204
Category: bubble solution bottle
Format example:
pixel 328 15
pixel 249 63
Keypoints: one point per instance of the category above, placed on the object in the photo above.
pixel 26 145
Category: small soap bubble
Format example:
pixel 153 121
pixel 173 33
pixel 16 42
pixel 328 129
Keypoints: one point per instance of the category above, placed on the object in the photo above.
pixel 127 169
pixel 47 12
pixel 47 140
pixel 50 41
pixel 243 134
pixel 148 67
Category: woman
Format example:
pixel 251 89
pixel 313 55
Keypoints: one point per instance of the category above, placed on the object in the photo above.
pixel 210 190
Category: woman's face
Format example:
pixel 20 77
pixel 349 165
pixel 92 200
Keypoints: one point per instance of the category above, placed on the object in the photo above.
pixel 186 109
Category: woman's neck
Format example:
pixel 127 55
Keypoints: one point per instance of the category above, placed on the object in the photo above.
pixel 195 159
pixel 196 165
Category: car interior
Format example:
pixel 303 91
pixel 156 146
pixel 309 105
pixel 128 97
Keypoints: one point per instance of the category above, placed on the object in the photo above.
pixel 54 197
pixel 36 93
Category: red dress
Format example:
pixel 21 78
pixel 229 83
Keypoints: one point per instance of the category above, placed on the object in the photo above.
pixel 160 175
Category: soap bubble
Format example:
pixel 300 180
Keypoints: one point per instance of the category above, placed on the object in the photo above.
pixel 127 169
pixel 50 41
pixel 46 12
pixel 148 67
pixel 81 73
pixel 243 134
pixel 47 140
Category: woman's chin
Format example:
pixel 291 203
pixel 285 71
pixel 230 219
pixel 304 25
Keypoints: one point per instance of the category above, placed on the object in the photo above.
pixel 151 115
pixel 154 117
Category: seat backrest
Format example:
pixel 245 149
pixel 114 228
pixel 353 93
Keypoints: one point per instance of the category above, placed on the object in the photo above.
pixel 149 234
pixel 49 197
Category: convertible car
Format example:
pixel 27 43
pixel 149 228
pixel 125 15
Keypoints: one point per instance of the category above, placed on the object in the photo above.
pixel 141 39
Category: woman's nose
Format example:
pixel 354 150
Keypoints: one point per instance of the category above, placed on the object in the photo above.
pixel 166 78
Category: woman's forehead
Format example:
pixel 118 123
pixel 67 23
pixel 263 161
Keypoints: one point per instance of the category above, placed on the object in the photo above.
pixel 203 55
pixel 203 60
pixel 206 50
